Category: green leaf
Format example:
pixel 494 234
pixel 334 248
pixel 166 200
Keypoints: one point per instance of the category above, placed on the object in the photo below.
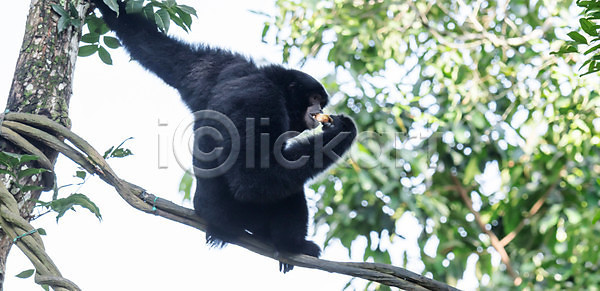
pixel 581 125
pixel 121 153
pixel 104 55
pixel 588 26
pixel 41 231
pixel 96 25
pixel 478 119
pixel 93 22
pixel 590 72
pixel 63 23
pixel 596 217
pixel 10 160
pixel 170 3
pixel 562 102
pixel 587 4
pixel 62 205
pixel 134 6
pixel 578 38
pixel 13 161
pixel 91 37
pixel 573 215
pixel 187 9
pixel 111 42
pixel 30 172
pixel 461 74
pixel 460 134
pixel 163 20
pixel 264 31
pixel 25 274
pixel 7 172
pixel 118 152
pixel 148 12
pixel 185 185
pixel 107 152
pixel 87 50
pixel 471 170
pixel 27 158
pixel 185 17
pixel 76 22
pixel 81 174
pixel 113 5
pixel 592 49
pixel 567 48
pixel 585 63
pixel 60 10
pixel 179 22
pixel 73 11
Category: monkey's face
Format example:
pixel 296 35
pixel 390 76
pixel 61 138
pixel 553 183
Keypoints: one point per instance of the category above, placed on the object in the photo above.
pixel 305 97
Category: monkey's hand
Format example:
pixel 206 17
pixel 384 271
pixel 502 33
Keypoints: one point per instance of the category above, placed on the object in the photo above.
pixel 340 123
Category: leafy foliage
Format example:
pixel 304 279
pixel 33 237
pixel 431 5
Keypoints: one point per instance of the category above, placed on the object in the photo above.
pixel 97 30
pixel 62 205
pixel 118 151
pixel 67 18
pixel 160 12
pixel 469 125
pixel 14 166
pixel 25 274
pixel 185 186
pixel 588 24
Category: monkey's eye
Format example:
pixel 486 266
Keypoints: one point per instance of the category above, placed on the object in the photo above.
pixel 314 99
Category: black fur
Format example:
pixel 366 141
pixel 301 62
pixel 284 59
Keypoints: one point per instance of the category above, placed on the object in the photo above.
pixel 266 200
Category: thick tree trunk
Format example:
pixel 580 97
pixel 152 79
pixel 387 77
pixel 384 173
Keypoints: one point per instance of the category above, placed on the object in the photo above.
pixel 42 84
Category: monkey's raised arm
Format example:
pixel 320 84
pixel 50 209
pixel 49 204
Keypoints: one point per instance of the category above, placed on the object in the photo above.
pixel 168 58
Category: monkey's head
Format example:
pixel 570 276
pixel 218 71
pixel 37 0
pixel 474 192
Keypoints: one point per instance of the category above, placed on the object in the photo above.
pixel 305 97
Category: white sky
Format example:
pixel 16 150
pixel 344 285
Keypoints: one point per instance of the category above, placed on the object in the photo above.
pixel 131 250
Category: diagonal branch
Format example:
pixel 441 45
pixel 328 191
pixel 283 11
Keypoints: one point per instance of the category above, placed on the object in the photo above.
pixel 493 238
pixel 149 203
pixel 534 209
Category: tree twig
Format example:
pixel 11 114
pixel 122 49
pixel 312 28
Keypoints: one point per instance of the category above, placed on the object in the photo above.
pixel 534 209
pixel 517 280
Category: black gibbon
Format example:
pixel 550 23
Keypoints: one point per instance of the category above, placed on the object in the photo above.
pixel 257 193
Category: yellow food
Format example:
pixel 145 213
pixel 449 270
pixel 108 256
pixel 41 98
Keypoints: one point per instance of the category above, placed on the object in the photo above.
pixel 323 118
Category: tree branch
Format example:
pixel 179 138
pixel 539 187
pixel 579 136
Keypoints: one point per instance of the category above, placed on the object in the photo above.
pixel 149 203
pixel 25 237
pixel 493 238
pixel 480 34
pixel 534 209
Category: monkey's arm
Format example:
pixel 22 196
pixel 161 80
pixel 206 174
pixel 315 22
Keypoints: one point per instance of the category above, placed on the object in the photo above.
pixel 169 59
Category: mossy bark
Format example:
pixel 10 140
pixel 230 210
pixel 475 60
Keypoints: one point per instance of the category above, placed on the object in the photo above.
pixel 42 84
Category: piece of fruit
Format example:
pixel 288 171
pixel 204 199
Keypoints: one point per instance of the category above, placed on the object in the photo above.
pixel 323 118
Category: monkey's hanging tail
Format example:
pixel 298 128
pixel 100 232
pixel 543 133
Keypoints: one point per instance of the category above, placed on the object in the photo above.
pixel 168 58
